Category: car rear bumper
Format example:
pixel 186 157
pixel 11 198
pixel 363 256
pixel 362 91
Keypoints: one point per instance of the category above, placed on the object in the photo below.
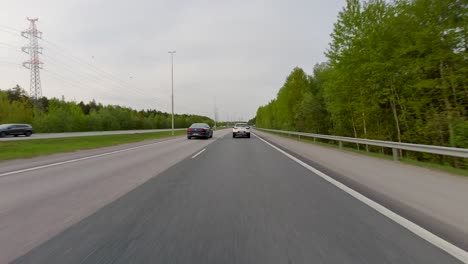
pixel 242 133
pixel 198 134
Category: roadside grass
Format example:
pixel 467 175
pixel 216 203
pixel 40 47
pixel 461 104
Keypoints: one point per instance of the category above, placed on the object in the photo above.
pixel 37 147
pixel 429 165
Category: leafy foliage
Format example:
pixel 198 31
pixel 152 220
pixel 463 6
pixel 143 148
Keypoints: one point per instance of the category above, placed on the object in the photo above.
pixel 58 115
pixel 396 70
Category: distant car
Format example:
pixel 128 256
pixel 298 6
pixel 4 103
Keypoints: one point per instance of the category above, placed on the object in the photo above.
pixel 199 130
pixel 15 130
pixel 241 130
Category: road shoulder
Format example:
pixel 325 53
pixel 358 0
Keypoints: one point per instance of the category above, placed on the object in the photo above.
pixel 432 199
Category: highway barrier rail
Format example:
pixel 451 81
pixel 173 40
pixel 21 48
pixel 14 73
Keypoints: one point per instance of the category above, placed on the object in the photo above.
pixel 395 146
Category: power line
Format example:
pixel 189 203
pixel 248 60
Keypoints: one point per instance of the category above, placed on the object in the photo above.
pixel 97 74
pixel 10 28
pixel 97 78
pixel 102 88
pixel 106 75
pixel 10 32
pixel 10 46
pixel 124 86
pixel 15 33
pixel 81 85
pixel 92 78
pixel 87 64
pixel 74 83
pixel 51 73
pixel 10 63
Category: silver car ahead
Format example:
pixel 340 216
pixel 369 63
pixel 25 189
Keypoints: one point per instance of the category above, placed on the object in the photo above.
pixel 241 130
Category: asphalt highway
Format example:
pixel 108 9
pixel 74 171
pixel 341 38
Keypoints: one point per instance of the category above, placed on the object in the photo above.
pixel 223 200
pixel 41 197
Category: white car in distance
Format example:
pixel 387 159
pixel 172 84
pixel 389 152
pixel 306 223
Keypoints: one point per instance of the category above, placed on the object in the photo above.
pixel 241 130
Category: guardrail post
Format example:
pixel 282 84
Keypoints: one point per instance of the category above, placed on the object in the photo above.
pixel 299 137
pixel 395 154
pixel 315 140
pixel 340 143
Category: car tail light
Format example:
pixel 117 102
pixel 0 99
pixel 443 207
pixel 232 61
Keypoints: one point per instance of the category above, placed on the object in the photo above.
pixel 189 129
pixel 202 130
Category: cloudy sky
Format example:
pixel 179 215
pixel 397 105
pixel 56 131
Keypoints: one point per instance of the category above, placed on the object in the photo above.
pixel 234 53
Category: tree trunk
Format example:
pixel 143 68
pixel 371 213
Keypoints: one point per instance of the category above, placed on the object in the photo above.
pixel 365 129
pixel 395 115
pixel 403 109
pixel 450 110
pixel 354 129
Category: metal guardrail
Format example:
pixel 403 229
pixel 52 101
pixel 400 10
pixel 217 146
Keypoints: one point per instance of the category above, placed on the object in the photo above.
pixel 395 146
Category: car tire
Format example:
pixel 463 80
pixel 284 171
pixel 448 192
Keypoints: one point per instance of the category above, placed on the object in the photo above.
pixel 189 138
pixel 28 133
pixel 248 136
pixel 2 134
pixel 15 135
pixel 233 135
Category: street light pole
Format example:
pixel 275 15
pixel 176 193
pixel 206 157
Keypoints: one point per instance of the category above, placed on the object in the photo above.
pixel 172 85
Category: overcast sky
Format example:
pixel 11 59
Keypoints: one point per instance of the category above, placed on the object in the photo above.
pixel 237 53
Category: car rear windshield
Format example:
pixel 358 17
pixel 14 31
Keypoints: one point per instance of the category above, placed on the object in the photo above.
pixel 241 125
pixel 198 125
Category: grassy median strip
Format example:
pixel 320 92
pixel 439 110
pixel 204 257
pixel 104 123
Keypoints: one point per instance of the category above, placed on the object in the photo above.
pixel 37 147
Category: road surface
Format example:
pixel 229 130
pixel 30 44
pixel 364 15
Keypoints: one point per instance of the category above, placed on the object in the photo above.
pixel 434 199
pixel 83 134
pixel 219 201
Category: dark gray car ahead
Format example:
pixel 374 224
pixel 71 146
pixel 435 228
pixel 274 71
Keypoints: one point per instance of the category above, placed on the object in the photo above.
pixel 199 130
pixel 15 130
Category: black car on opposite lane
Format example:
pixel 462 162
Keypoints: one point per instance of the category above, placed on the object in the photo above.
pixel 199 130
pixel 15 130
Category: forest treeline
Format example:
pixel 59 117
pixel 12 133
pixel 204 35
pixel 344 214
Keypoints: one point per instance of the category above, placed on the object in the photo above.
pixel 396 70
pixel 58 115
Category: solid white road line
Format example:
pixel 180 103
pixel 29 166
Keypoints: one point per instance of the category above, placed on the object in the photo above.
pixel 198 153
pixel 448 247
pixel 80 159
